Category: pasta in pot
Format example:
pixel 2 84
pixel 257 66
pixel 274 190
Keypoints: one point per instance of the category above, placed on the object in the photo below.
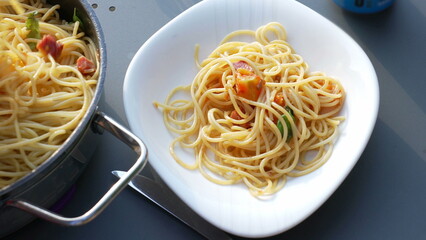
pixel 49 71
pixel 256 114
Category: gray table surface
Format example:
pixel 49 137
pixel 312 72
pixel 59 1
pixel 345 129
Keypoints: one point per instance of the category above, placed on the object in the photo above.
pixel 384 197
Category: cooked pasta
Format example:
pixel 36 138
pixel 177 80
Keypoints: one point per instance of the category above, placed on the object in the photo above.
pixel 255 113
pixel 48 73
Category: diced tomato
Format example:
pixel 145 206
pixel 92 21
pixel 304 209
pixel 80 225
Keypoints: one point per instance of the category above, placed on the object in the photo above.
pixel 236 116
pixel 85 66
pixel 49 46
pixel 243 68
pixel 249 86
pixel 279 99
pixel 242 64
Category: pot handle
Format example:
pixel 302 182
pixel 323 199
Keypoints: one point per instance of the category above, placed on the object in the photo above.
pixel 102 121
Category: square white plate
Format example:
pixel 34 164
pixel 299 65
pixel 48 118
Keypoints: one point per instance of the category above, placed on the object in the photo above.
pixel 166 60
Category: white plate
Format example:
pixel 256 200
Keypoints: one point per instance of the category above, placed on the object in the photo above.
pixel 166 60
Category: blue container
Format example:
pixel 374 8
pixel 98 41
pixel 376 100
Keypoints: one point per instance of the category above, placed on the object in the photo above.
pixel 364 6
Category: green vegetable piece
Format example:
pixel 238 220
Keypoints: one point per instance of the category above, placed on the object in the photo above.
pixel 75 18
pixel 287 123
pixel 32 25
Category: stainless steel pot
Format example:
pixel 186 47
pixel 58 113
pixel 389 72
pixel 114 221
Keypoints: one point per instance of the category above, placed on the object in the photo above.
pixel 31 196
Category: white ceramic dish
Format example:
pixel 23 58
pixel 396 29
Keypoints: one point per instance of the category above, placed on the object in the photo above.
pixel 166 60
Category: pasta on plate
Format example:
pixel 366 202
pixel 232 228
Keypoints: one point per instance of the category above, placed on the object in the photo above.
pixel 255 113
pixel 48 74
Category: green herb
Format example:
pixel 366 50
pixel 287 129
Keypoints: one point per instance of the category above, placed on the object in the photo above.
pixel 32 25
pixel 287 123
pixel 75 18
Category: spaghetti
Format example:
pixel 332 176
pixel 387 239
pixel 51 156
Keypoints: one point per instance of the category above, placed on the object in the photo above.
pixel 256 114
pixel 48 74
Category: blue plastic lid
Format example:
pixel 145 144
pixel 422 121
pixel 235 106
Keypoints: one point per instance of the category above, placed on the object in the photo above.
pixel 364 6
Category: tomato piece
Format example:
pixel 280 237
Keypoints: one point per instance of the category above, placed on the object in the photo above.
pixel 249 86
pixel 49 46
pixel 236 116
pixel 85 66
pixel 243 67
pixel 279 99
